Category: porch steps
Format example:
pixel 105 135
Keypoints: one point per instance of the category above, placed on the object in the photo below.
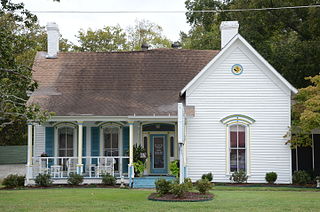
pixel 148 181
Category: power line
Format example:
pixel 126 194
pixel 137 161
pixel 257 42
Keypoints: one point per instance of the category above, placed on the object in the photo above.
pixel 177 11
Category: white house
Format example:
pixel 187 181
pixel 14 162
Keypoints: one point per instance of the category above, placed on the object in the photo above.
pixel 215 111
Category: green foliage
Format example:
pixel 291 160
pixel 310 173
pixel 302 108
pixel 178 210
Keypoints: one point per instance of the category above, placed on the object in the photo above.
pixel 301 177
pixel 188 183
pixel 208 176
pixel 20 38
pixel 203 186
pixel 271 177
pixel 290 43
pixel 139 167
pixel 138 153
pixel 75 179
pixel 305 115
pixel 115 38
pixel 43 180
pixel 239 177
pixel 174 168
pixel 163 186
pixel 179 190
pixel 107 39
pixel 13 181
pixel 108 179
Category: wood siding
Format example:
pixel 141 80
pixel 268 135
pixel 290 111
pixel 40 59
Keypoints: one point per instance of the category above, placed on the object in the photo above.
pixel 256 93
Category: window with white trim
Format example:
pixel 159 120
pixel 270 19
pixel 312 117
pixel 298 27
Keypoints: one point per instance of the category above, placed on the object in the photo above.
pixel 237 147
pixel 65 142
pixel 111 141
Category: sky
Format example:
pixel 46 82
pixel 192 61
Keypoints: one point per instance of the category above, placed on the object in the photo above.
pixel 70 24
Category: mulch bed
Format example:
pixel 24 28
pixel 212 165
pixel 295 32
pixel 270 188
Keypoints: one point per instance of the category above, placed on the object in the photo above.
pixel 188 197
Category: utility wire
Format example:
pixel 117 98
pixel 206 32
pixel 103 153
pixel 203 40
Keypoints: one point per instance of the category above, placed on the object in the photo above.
pixel 178 11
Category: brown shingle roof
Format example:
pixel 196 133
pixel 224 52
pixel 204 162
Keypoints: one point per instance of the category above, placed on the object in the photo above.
pixel 116 83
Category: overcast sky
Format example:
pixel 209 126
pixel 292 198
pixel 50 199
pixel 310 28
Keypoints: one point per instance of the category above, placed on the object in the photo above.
pixel 70 24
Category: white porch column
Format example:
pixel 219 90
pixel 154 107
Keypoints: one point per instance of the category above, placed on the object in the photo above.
pixel 131 168
pixel 181 140
pixel 29 156
pixel 80 139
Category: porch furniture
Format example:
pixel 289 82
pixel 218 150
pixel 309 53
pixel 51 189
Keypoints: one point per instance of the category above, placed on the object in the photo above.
pixel 56 171
pixel 92 170
pixel 71 166
pixel 106 165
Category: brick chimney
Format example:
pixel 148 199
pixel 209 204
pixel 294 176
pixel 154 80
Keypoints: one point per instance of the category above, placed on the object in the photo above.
pixel 53 39
pixel 228 29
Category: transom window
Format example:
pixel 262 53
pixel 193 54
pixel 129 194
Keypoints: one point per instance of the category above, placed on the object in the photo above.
pixel 237 148
pixel 111 141
pixel 65 141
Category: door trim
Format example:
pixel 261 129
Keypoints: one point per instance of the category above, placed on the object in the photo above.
pixel 163 170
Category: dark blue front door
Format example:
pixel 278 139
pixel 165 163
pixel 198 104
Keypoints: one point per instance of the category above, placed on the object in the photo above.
pixel 158 154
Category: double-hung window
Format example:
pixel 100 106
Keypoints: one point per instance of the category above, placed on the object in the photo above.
pixel 237 148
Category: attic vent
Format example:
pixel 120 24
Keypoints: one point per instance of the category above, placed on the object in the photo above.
pixel 144 46
pixel 176 45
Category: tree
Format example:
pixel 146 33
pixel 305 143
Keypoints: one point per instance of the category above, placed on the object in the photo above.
pixel 289 43
pixel 15 72
pixel 306 113
pixel 146 32
pixel 107 39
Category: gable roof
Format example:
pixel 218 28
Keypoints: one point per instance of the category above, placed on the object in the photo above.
pixel 116 83
pixel 233 40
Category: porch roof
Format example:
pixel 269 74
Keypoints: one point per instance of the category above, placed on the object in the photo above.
pixel 116 83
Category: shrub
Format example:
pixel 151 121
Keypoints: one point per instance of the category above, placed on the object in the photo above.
pixel 239 177
pixel 108 179
pixel 75 179
pixel 174 168
pixel 188 183
pixel 163 186
pixel 208 176
pixel 139 167
pixel 271 177
pixel 13 181
pixel 301 177
pixel 43 180
pixel 179 190
pixel 203 186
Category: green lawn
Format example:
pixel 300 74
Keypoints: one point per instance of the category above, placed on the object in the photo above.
pixel 95 199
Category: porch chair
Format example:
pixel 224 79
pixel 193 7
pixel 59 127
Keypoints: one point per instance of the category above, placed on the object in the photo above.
pixel 71 166
pixel 106 165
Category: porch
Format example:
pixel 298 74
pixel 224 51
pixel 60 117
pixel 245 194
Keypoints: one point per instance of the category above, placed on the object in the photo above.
pixel 94 147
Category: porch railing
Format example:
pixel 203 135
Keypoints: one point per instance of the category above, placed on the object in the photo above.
pixel 93 167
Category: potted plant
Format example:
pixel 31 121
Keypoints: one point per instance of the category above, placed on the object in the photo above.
pixel 139 168
pixel 318 181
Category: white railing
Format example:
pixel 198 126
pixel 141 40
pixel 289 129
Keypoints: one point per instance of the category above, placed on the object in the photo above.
pixel 93 167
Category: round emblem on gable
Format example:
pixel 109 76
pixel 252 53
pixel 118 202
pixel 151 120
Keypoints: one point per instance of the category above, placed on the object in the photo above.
pixel 237 69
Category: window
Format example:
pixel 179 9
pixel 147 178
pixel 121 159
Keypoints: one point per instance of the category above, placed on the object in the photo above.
pixel 111 141
pixel 65 142
pixel 237 148
pixel 171 146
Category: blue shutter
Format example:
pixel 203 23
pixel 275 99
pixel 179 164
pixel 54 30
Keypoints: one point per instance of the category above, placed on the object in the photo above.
pixel 125 148
pixel 49 141
pixel 95 143
pixel 84 142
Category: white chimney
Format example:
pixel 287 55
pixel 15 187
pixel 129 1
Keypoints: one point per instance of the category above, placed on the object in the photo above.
pixel 53 39
pixel 228 30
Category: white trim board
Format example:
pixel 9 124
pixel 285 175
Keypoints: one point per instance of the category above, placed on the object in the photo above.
pixel 221 54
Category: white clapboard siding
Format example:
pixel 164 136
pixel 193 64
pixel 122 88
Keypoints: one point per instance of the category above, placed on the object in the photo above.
pixel 256 93
pixel 39 143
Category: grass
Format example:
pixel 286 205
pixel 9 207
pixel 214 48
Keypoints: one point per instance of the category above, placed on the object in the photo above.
pixel 95 199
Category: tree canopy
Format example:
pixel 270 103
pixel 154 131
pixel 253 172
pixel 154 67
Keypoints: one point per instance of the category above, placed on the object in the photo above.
pixel 288 39
pixel 115 38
